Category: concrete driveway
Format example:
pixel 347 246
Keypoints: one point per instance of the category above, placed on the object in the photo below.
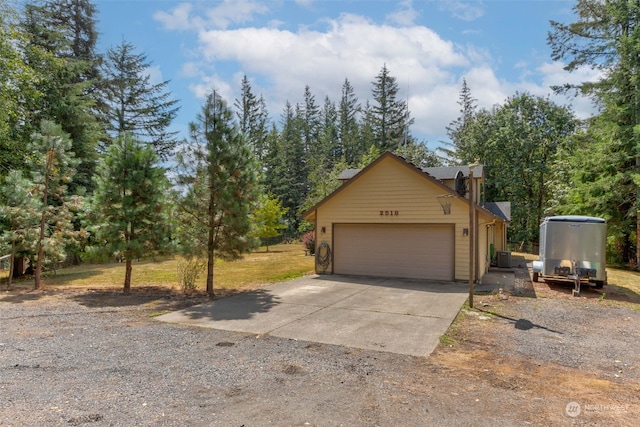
pixel 394 315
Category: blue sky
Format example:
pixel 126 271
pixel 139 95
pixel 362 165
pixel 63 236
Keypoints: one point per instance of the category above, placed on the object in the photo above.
pixel 499 47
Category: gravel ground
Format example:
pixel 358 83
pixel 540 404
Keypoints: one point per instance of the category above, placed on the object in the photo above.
pixel 99 358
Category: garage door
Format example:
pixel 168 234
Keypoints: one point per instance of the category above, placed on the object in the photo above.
pixel 413 251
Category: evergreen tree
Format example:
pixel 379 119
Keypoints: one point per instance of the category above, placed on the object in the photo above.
pixel 310 121
pixel 53 169
pixel 134 104
pixel 324 156
pixel 65 31
pixel 20 219
pixel 253 119
pixel 460 131
pixel 287 173
pixel 219 176
pixel 606 36
pixel 348 114
pixel 389 115
pixel 128 202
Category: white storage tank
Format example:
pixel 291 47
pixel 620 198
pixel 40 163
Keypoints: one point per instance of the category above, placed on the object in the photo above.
pixel 572 246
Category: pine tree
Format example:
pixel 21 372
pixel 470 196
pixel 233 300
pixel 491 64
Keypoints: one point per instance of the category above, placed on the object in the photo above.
pixel 128 202
pixel 52 171
pixel 134 104
pixel 19 216
pixel 219 176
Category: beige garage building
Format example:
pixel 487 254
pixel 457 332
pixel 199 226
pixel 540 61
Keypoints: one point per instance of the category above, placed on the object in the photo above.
pixel 393 219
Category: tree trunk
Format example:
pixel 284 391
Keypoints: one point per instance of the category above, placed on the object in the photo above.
pixel 11 263
pixel 40 256
pixel 637 239
pixel 127 276
pixel 211 241
pixel 210 261
pixel 43 219
pixel 18 267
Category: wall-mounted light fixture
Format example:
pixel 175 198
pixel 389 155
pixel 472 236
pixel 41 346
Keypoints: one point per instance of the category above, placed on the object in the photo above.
pixel 323 229
pixel 465 232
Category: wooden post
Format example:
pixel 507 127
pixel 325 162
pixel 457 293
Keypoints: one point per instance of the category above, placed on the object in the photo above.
pixel 471 237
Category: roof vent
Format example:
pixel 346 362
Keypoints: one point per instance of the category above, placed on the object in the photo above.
pixel 461 184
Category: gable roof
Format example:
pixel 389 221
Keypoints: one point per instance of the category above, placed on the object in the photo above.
pixel 359 172
pixel 501 209
pixel 440 172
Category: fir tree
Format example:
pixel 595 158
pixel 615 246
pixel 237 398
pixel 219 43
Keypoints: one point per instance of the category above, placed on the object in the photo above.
pixel 389 114
pixel 348 114
pixel 134 104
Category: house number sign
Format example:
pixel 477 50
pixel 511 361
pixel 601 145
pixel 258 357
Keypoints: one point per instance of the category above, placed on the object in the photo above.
pixel 389 213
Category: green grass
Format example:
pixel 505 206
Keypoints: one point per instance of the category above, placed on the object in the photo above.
pixel 282 262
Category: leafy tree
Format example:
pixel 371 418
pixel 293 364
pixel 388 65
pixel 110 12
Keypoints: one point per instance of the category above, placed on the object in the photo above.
pixel 134 104
pixel 52 171
pixel 128 202
pixel 18 90
pixel 517 143
pixel 219 176
pixel 389 115
pixel 267 218
pixel 606 36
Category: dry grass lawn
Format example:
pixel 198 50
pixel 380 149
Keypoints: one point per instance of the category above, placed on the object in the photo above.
pixel 282 262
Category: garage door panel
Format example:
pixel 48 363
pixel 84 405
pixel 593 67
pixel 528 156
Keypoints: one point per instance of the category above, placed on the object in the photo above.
pixel 394 250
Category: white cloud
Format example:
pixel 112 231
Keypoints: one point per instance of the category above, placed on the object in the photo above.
pixel 554 75
pixel 405 15
pixel 178 19
pixel 464 10
pixel 280 62
pixel 155 74
pixel 224 14
pixel 351 47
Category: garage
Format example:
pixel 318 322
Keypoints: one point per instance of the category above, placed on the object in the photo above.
pixel 393 219
pixel 416 251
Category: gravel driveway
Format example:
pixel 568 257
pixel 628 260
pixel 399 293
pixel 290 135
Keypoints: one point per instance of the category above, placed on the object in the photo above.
pixel 100 358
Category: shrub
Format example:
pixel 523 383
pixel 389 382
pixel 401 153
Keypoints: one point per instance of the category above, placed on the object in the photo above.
pixel 188 272
pixel 308 239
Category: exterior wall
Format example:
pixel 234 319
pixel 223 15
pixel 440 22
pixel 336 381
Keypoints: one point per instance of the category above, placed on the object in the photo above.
pixel 391 192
